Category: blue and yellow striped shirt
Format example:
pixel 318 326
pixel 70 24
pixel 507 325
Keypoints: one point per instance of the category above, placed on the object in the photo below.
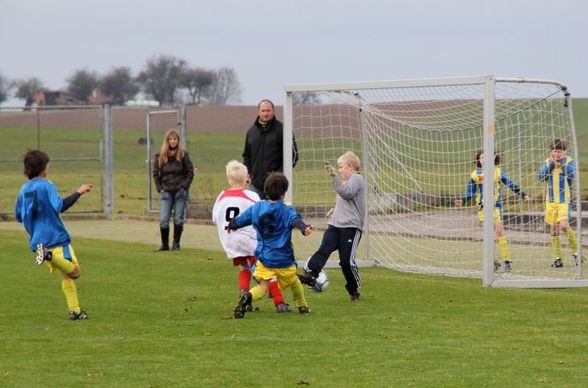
pixel 559 179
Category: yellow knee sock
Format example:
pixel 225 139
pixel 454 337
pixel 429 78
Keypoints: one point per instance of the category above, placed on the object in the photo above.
pixel 503 247
pixel 298 293
pixel 63 265
pixel 572 240
pixel 258 292
pixel 556 244
pixel 71 294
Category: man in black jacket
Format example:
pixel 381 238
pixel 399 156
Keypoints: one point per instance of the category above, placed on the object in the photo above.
pixel 263 146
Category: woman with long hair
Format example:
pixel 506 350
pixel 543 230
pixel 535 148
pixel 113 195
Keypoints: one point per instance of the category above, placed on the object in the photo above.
pixel 173 173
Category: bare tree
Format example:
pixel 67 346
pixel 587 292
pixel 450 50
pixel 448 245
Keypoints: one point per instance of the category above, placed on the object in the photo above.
pixel 82 83
pixel 197 82
pixel 161 77
pixel 306 98
pixel 5 86
pixel 118 85
pixel 226 87
pixel 26 89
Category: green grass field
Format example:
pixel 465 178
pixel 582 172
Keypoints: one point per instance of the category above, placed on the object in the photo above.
pixel 166 320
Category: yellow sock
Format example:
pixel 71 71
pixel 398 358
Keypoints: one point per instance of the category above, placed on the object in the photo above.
pixel 503 247
pixel 62 264
pixel 572 240
pixel 556 244
pixel 298 293
pixel 258 292
pixel 71 294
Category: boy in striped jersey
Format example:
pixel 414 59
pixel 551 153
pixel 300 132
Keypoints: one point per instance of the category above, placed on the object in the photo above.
pixel 474 189
pixel 558 172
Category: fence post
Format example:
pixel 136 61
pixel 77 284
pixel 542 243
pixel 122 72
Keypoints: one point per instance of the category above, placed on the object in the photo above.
pixel 108 194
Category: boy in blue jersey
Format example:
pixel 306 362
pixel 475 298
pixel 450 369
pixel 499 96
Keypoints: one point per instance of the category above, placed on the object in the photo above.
pixel 273 221
pixel 345 225
pixel 558 172
pixel 475 189
pixel 38 208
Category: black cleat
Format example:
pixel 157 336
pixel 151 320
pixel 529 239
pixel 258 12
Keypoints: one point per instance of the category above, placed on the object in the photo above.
pixel 163 247
pixel 42 254
pixel 496 266
pixel 303 310
pixel 241 308
pixel 354 297
pixel 75 316
pixel 507 266
pixel 307 279
pixel 557 263
pixel 283 308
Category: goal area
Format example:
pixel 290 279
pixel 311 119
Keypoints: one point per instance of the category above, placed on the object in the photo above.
pixel 418 141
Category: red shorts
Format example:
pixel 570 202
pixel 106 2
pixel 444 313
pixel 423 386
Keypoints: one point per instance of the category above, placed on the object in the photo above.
pixel 244 260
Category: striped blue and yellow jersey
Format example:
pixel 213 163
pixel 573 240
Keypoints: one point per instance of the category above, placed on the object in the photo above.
pixel 475 186
pixel 559 178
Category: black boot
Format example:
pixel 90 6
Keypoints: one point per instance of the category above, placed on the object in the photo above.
pixel 164 240
pixel 178 229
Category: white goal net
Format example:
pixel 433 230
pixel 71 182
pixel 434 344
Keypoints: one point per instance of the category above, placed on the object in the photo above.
pixel 418 141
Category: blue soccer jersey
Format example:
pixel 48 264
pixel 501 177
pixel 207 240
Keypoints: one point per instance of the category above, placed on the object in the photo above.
pixel 273 222
pixel 38 207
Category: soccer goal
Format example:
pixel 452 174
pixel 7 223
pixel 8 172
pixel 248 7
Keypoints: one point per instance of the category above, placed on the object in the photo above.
pixel 418 141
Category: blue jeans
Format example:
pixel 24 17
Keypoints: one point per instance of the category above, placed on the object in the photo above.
pixel 176 201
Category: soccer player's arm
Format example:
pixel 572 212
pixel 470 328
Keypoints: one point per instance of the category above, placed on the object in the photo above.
pixel 242 220
pixel 298 223
pixel 471 189
pixel 17 209
pixel 505 179
pixel 349 189
pixel 546 169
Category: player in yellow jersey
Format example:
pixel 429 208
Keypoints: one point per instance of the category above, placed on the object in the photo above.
pixel 475 190
pixel 558 172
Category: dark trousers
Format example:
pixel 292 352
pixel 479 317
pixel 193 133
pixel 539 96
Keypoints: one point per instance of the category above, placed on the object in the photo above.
pixel 346 241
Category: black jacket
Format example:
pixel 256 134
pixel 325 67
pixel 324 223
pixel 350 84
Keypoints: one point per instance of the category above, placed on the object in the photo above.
pixel 174 175
pixel 263 151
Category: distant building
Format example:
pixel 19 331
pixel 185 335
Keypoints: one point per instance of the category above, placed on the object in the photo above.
pixel 46 97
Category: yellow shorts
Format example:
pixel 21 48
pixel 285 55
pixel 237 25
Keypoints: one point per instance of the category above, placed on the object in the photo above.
pixel 58 252
pixel 555 212
pixel 286 276
pixel 497 215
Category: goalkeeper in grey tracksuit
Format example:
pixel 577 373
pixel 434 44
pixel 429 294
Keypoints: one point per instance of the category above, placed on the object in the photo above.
pixel 344 226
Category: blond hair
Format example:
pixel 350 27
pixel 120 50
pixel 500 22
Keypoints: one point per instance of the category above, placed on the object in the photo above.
pixel 237 174
pixel 165 153
pixel 351 159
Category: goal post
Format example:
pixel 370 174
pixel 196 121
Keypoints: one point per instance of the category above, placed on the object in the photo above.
pixel 418 141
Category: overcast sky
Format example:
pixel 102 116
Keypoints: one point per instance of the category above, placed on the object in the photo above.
pixel 273 43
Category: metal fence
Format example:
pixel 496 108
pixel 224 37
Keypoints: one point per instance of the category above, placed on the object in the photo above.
pixel 78 140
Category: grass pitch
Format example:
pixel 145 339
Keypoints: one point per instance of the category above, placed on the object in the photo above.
pixel 165 319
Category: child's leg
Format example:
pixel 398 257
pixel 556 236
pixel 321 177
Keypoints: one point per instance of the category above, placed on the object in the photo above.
pixel 260 290
pixel 329 243
pixel 555 241
pixel 348 242
pixel 68 286
pixel 571 235
pixel 502 243
pixel 245 264
pixel 276 292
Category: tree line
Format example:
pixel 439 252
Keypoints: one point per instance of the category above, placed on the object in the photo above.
pixel 164 78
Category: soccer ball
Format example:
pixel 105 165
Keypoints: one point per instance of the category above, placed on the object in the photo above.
pixel 322 282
